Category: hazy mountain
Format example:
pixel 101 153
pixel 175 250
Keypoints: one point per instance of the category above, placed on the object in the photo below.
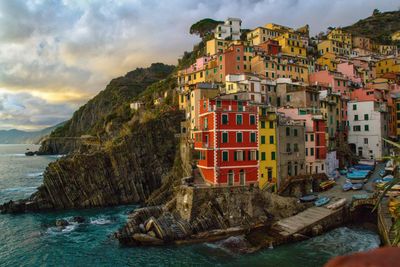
pixel 15 136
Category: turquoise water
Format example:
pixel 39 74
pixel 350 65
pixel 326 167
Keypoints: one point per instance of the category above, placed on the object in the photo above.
pixel 32 239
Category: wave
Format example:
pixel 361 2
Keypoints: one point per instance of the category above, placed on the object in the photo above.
pixel 13 155
pixel 19 189
pixel 100 221
pixel 35 174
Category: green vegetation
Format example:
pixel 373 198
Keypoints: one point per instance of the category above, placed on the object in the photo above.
pixel 204 27
pixel 378 27
pixel 112 104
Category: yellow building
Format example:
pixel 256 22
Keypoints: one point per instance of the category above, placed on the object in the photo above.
pixel 335 47
pixel 273 67
pixel 215 46
pixel 341 36
pixel 397 109
pixel 267 147
pixel 328 61
pixel 261 34
pixel 291 44
pixel 387 65
pixel 396 36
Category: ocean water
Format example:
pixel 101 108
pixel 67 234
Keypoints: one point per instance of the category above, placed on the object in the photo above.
pixel 33 239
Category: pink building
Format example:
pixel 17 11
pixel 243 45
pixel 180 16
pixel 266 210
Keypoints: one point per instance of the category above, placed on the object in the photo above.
pixel 336 80
pixel 349 70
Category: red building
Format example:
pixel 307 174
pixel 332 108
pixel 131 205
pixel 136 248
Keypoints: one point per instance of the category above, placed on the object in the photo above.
pixel 227 142
pixel 232 61
pixel 270 47
pixel 319 127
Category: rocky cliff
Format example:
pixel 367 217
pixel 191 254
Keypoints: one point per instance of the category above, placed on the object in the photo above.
pixel 103 116
pixel 126 171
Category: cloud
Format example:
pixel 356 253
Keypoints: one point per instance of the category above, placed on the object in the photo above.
pixel 65 51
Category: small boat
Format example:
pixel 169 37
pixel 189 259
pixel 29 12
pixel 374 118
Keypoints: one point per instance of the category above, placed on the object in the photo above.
pixel 360 196
pixel 357 186
pixel 343 172
pixel 347 186
pixel 388 178
pixel 363 167
pixel 308 198
pixel 326 185
pixel 382 173
pixel 337 204
pixel 377 181
pixel 322 201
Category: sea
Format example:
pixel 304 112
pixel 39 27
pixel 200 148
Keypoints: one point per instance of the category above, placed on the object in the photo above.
pixel 33 240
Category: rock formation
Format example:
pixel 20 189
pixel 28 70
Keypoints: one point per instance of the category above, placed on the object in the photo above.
pixel 125 172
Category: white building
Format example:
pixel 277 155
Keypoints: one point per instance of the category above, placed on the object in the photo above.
pixel 368 124
pixel 246 87
pixel 229 29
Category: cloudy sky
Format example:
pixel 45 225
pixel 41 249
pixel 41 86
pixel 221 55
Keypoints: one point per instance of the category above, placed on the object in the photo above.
pixel 55 55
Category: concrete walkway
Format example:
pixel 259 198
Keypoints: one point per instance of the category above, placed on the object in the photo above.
pixel 302 220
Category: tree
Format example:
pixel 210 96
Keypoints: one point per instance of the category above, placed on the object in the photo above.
pixel 204 27
pixel 376 12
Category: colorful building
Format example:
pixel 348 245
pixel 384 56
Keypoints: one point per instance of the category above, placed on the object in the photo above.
pixel 387 65
pixel 292 45
pixel 227 142
pixel 267 147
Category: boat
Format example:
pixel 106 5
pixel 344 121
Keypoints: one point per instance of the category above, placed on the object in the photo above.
pixel 370 162
pixel 360 196
pixel 343 172
pixel 382 173
pixel 363 167
pixel 377 181
pixel 337 204
pixel 321 201
pixel 388 178
pixel 347 186
pixel 357 186
pixel 308 198
pixel 326 185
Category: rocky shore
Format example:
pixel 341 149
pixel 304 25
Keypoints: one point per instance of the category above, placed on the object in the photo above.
pixel 126 172
pixel 206 214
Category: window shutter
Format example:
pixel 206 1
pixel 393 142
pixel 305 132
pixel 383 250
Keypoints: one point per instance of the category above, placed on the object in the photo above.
pixel 234 156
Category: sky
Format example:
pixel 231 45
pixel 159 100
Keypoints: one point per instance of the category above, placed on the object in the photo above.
pixel 56 55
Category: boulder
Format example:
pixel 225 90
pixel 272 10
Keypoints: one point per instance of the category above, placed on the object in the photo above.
pixel 78 219
pixel 147 239
pixel 61 223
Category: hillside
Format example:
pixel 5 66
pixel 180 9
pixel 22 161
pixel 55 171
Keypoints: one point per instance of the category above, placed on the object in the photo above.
pixel 112 104
pixel 15 136
pixel 378 27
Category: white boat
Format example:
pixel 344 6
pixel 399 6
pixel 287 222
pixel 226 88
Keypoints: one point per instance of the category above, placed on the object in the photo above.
pixel 337 204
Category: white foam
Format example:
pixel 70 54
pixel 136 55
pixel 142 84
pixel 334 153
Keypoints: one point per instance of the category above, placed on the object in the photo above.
pixel 35 174
pixel 100 221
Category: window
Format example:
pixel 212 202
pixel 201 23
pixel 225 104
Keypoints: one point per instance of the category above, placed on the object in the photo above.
pixel 239 137
pixel 224 119
pixel 273 156
pixel 287 131
pixel 205 123
pixel 366 117
pixel 225 156
pixel 262 139
pixel 312 137
pixel 252 119
pixel 338 83
pixel 356 117
pixel 262 124
pixel 271 125
pixel 366 141
pixel 202 155
pixel 224 137
pixel 218 103
pixel 295 147
pixel 356 128
pixel 288 148
pixel 306 152
pixel 366 127
pixel 287 98
pixel 239 119
pixel 239 155
pixel 262 155
pixel 311 151
pixel 252 137
pixel 253 155
pixel 354 107
pixel 295 132
pixel 271 139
